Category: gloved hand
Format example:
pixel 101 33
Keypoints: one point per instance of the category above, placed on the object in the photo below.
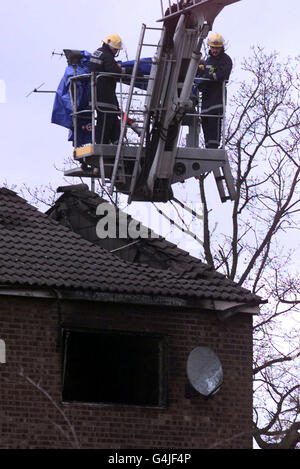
pixel 201 65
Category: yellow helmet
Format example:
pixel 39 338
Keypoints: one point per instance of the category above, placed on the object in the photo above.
pixel 114 41
pixel 215 40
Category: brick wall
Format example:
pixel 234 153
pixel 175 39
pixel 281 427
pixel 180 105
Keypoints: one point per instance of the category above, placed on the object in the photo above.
pixel 31 412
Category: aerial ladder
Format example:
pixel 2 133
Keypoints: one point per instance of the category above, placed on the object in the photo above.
pixel 146 167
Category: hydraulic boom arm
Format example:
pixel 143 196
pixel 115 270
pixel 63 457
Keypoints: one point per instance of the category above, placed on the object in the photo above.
pixel 187 24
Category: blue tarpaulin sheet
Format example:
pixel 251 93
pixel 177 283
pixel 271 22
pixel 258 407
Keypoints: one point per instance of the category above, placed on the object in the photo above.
pixel 62 107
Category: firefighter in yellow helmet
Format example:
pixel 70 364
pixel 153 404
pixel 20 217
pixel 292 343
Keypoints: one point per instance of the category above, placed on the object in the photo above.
pixel 213 72
pixel 103 60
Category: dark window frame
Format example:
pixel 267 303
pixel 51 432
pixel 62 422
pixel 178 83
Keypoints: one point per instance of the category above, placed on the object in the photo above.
pixel 162 368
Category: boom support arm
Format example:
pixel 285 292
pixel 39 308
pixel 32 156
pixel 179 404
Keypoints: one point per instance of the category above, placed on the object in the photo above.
pixel 181 61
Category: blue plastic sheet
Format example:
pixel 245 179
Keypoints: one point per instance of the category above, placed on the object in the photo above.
pixel 62 108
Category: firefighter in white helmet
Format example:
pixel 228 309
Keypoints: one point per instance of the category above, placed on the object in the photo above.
pixel 103 60
pixel 213 72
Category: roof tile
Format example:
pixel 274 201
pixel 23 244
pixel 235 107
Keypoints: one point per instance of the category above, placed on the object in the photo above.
pixel 36 250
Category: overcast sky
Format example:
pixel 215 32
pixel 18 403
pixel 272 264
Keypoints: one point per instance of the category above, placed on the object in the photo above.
pixel 31 147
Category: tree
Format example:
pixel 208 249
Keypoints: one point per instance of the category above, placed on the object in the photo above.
pixel 262 140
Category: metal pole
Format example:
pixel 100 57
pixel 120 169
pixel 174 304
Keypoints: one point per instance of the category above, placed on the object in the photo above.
pixel 123 124
pixel 93 105
pixel 75 121
pixel 162 8
pixel 93 102
pixel 224 112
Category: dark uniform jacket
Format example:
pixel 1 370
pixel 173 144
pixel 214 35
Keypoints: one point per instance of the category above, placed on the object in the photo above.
pixel 217 69
pixel 102 60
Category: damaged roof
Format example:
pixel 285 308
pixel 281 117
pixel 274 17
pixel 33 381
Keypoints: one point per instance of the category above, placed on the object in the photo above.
pixel 154 251
pixel 38 251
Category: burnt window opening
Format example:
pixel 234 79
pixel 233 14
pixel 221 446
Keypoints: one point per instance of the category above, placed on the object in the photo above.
pixel 114 368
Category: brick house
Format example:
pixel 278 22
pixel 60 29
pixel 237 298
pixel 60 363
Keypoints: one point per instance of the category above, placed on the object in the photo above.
pixel 94 344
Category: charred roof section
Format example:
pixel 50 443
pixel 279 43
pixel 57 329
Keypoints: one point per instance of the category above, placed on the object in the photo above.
pixel 76 209
pixel 38 251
